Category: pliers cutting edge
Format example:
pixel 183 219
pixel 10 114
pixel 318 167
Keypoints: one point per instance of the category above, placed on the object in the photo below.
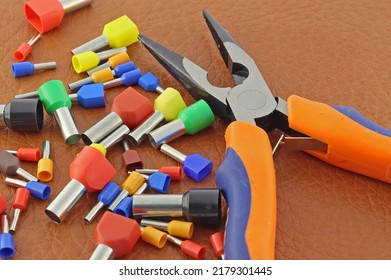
pixel 246 177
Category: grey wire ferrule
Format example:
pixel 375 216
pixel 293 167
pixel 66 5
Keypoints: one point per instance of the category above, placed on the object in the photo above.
pixel 125 145
pixel 122 195
pixel 73 97
pixel 46 147
pixel 4 223
pixel 113 83
pixel 154 223
pixel 67 125
pixel 15 182
pixel 173 153
pixel 12 152
pixel 23 173
pixel 2 120
pixel 141 132
pixel 74 5
pixel 100 67
pixel 60 207
pixel 45 66
pixel 102 252
pixel 78 84
pixel 157 205
pixel 93 45
pixel 142 189
pixel 146 171
pixel 32 94
pixel 167 133
pixel 15 220
pixel 109 53
pixel 199 205
pixel 174 240
pixel 115 137
pixel 94 211
pixel 34 39
pixel 102 128
pixel 159 89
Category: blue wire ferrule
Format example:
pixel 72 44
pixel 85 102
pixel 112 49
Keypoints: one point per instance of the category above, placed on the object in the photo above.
pixel 7 244
pixel 91 96
pixel 149 82
pixel 109 193
pixel 38 190
pixel 131 78
pixel 159 182
pixel 125 207
pixel 21 69
pixel 121 69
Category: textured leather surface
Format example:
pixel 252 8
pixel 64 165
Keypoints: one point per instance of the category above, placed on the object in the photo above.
pixel 336 52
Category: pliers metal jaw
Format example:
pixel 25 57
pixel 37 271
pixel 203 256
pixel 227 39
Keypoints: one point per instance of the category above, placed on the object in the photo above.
pixel 249 100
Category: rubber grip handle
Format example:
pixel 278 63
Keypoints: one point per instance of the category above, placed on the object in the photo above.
pixel 357 117
pixel 247 181
pixel 353 142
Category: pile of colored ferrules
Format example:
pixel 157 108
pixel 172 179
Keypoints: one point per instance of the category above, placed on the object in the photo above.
pixel 143 206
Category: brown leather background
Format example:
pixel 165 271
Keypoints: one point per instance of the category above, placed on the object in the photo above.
pixel 336 52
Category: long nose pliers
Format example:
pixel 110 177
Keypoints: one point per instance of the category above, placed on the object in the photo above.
pixel 339 135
